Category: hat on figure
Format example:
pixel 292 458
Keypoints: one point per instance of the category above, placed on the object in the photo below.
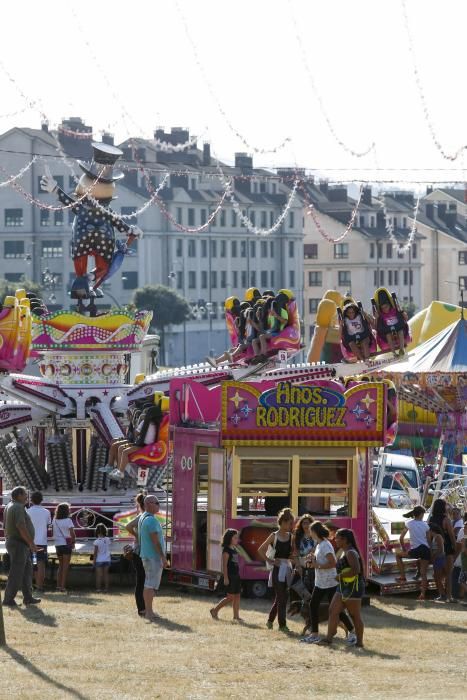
pixel 101 167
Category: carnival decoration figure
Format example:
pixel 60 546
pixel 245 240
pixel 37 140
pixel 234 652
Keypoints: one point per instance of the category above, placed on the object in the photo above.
pixel 94 223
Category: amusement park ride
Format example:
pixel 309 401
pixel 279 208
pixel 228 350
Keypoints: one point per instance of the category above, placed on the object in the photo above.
pixel 235 443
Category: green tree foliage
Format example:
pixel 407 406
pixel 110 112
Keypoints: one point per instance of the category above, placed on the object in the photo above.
pixel 167 306
pixel 8 288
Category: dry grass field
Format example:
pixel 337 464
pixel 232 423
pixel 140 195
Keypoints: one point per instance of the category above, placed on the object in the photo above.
pixel 87 645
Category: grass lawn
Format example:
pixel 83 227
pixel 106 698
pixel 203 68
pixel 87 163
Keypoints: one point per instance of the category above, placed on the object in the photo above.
pixel 86 645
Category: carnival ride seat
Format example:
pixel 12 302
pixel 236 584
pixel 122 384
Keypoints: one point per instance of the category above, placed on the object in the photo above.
pixel 381 296
pixel 347 353
pixel 156 454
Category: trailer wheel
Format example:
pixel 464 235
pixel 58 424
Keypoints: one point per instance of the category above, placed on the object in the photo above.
pixel 257 589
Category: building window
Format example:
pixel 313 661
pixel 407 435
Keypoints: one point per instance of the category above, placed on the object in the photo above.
pixel 375 278
pixel 262 187
pixel 264 219
pixel 127 211
pixel 389 250
pixel 192 183
pixel 291 249
pixel 213 248
pixel 179 215
pixel 411 278
pixel 191 216
pixel 341 251
pixel 396 277
pixel 274 188
pixel 372 221
pixel 13 249
pixel 271 248
pixel 191 248
pixel 406 278
pixel 204 279
pixel 130 279
pixel 213 279
pixel 264 278
pixel 233 249
pixel 271 219
pixel 204 248
pixel 235 279
pixel 252 249
pixel 222 217
pixel 272 276
pixel 389 277
pixel 203 216
pixel 45 217
pixel 414 251
pixel 243 252
pixel 223 249
pixel 58 218
pixel 310 251
pixel 191 279
pixel 343 278
pixel 223 279
pixel 52 249
pixel 253 278
pixel 244 284
pixel 462 257
pixel 381 277
pixel 394 222
pixel 233 218
pixel 380 251
pixel 179 248
pixel 291 279
pixel 315 279
pixel 253 217
pixel 372 250
pixel 361 221
pixel 291 219
pixel 462 282
pixel 14 217
pixel 14 276
pixel 404 221
pixel 264 249
pixel 255 187
pixel 180 284
pixel 400 254
pixel 313 305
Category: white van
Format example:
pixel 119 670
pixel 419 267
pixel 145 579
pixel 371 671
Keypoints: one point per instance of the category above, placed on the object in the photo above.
pixel 393 463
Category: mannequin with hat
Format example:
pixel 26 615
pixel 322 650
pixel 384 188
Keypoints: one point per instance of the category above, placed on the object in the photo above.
pixel 94 222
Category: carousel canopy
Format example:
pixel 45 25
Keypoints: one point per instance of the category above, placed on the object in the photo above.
pixel 434 375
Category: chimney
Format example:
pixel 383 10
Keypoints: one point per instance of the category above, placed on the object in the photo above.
pixel 75 138
pixel 207 154
pixel 429 189
pixel 429 209
pixel 159 134
pixel 337 194
pixel 323 186
pixel 244 162
pixel 366 196
pixel 178 135
pixel 108 138
pixel 45 127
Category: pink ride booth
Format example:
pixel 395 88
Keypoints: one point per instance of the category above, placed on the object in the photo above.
pixel 244 450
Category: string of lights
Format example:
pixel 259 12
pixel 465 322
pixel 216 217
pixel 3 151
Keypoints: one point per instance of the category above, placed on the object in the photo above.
pixel 317 94
pixel 390 228
pixel 311 211
pixel 421 92
pixel 12 178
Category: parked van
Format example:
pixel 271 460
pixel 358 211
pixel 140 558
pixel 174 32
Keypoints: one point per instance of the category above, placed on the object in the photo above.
pixel 393 463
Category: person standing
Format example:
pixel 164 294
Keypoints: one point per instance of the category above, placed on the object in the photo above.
pixel 132 528
pixel 41 519
pixel 152 550
pixel 439 516
pixel 19 535
pixel 64 537
pixel 102 558
pixel 281 566
pixel 458 527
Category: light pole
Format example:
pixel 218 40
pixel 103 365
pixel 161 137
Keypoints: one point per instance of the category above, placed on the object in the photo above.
pixel 172 278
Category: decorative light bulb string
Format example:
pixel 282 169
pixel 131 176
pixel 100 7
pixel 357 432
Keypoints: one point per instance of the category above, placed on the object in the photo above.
pixel 12 178
pixel 390 228
pixel 311 211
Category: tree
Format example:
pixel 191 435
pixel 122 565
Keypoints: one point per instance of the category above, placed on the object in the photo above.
pixel 409 308
pixel 168 307
pixel 8 289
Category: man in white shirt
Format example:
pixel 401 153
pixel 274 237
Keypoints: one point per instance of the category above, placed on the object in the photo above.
pixel 41 519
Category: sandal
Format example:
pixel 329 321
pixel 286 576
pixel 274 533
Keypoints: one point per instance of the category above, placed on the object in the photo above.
pixel 213 614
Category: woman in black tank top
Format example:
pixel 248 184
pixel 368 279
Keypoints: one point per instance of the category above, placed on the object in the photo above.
pixel 281 541
pixel 439 516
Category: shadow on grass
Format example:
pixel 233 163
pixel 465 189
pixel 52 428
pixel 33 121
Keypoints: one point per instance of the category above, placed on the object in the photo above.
pixel 380 618
pixel 170 625
pixel 38 616
pixel 32 668
pixel 72 597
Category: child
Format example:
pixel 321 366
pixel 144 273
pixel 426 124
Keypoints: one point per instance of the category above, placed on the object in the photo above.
pixel 355 331
pixel 230 575
pixel 419 549
pixel 391 320
pixel 438 559
pixel 102 558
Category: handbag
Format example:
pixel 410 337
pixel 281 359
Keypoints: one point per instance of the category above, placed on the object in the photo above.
pixel 271 553
pixel 68 540
pixel 128 552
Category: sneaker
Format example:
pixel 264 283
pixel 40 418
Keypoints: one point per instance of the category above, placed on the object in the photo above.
pixel 269 625
pixel 106 470
pixel 283 628
pixel 351 638
pixel 311 639
pixel 32 601
pixel 440 599
pixel 117 475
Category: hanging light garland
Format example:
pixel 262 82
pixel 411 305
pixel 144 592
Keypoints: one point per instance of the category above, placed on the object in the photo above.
pixel 221 110
pixel 154 199
pixel 418 82
pixel 330 125
pixel 390 228
pixel 19 174
pixel 311 211
pixel 79 135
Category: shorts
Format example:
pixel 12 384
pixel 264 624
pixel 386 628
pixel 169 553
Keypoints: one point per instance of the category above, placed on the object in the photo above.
pixel 439 563
pixel 63 549
pixel 420 552
pixel 463 578
pixel 101 564
pixel 352 591
pixel 41 555
pixel 153 572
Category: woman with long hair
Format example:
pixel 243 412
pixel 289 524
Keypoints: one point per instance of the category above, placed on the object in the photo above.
pixel 280 563
pixel 323 560
pixel 439 516
pixel 64 538
pixel 302 545
pixel 132 528
pixel 350 589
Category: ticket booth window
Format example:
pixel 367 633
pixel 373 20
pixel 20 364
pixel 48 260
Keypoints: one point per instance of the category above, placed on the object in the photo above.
pixel 324 487
pixel 264 486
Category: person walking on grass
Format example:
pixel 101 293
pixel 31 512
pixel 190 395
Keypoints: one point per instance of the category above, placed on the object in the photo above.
pixel 41 519
pixel 19 536
pixel 350 589
pixel 102 559
pixel 152 549
pixel 279 560
pixel 323 560
pixel 230 575
pixel 138 567
pixel 64 537
pixel 418 530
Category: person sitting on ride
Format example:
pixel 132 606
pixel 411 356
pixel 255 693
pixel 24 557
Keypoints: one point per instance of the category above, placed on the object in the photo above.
pixel 274 317
pixel 355 331
pixel 390 320
pixel 119 444
pixel 234 307
pixel 147 434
